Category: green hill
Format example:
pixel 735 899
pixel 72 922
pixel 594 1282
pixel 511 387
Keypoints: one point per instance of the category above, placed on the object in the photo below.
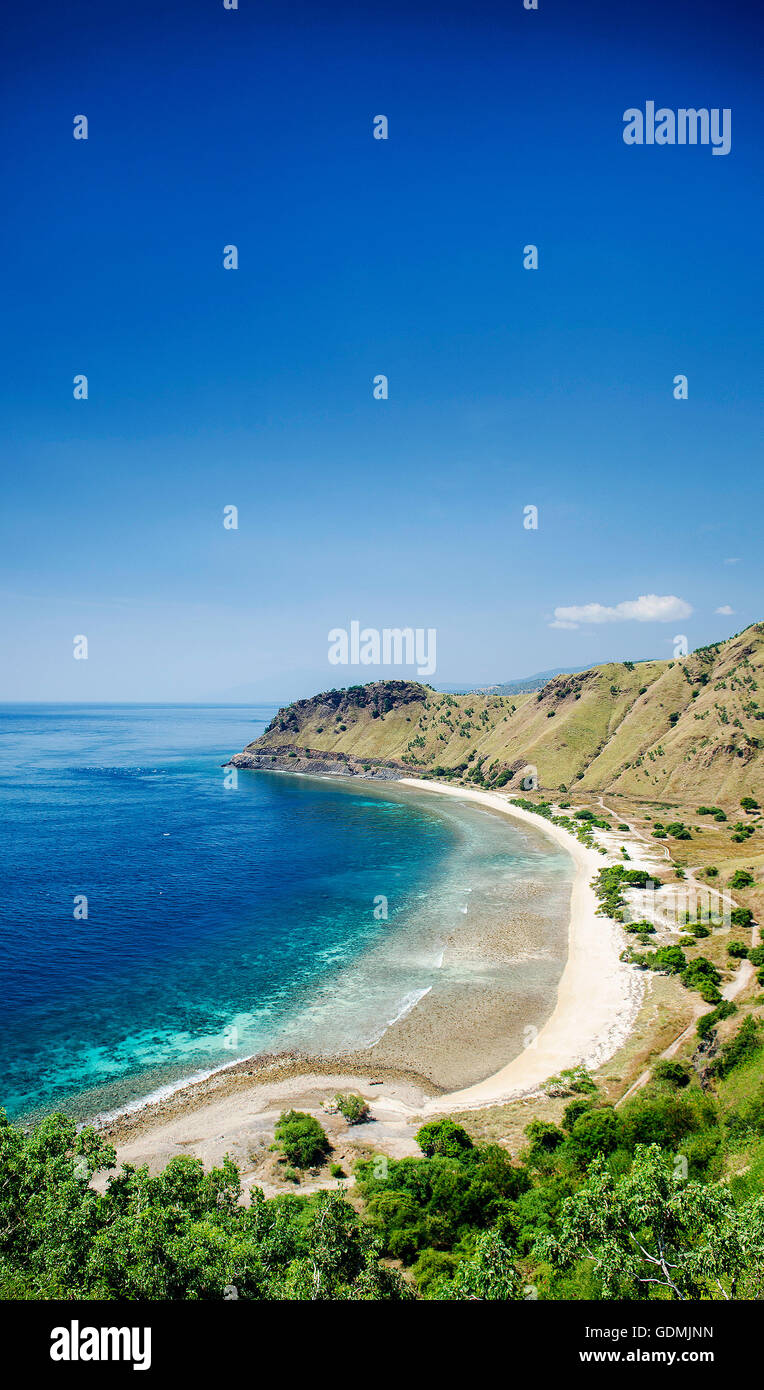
pixel 674 730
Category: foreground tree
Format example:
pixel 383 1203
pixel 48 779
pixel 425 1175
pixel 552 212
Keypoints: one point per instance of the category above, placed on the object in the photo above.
pixel 488 1274
pixel 180 1234
pixel 651 1232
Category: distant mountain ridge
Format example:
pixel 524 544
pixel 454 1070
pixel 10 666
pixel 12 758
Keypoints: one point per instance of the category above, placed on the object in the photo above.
pixel 523 683
pixel 691 727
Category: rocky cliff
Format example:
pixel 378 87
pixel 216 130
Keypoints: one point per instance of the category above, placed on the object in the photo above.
pixel 661 730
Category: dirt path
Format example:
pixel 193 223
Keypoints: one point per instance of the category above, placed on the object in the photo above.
pixel 638 835
pixel 743 976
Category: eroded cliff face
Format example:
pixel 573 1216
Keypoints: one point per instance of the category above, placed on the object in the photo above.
pixel 374 700
pixel 382 712
pixel 288 758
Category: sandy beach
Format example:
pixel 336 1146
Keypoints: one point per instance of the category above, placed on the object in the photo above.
pixel 233 1111
pixel 598 996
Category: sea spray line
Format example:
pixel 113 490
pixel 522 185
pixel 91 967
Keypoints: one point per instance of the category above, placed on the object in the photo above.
pixel 414 997
pixel 108 1117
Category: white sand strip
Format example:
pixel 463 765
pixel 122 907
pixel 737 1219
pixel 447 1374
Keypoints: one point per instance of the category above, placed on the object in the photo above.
pixel 598 997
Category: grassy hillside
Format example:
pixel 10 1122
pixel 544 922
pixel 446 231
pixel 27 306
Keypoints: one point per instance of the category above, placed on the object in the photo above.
pixel 659 730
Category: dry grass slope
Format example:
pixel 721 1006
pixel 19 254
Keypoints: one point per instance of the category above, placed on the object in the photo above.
pixel 672 731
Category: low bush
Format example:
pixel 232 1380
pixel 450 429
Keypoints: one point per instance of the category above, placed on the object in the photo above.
pixel 301 1139
pixel 353 1108
pixel 745 1044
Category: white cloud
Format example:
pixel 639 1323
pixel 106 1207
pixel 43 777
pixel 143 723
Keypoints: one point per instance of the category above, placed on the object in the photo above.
pixel 648 608
pixel 733 560
pixel 725 610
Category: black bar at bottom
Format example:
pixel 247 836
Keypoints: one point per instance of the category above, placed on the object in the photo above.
pixel 96 1341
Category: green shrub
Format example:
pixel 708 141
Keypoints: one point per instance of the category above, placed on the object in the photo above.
pixel 301 1139
pixel 745 1044
pixel 666 1116
pixel 639 878
pixel 598 1131
pixel 674 1074
pixel 574 1081
pixel 353 1108
pixel 707 1022
pixel 701 974
pixel 574 1109
pixel 544 1138
pixel 667 960
pixel 443 1137
pixel 431 1267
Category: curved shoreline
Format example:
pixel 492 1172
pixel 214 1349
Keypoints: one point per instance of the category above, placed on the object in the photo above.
pixel 598 997
pixel 427 1053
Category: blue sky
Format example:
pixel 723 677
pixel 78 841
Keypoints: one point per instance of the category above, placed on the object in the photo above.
pixel 254 387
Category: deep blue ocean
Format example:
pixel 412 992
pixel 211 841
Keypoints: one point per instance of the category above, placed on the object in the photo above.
pixel 221 921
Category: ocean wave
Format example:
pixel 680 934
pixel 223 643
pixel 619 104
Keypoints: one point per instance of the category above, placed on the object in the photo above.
pixel 110 772
pixel 410 1002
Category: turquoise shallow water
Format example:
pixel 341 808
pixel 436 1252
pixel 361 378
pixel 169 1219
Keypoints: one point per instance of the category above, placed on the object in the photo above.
pixel 221 921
